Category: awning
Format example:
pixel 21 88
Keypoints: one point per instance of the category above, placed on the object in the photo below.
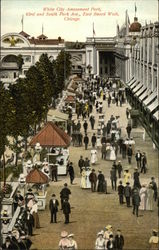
pixel 133 85
pixel 150 98
pixel 134 80
pixel 139 86
pixel 140 91
pixel 143 96
pixel 130 81
pixel 156 115
pixel 153 106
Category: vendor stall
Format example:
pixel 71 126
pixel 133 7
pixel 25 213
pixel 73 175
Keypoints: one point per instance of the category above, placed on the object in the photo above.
pixel 38 177
pixel 56 141
pixel 71 101
pixel 59 118
pixel 60 157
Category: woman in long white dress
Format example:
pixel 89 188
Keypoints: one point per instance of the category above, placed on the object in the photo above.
pixel 93 156
pixel 143 197
pixel 150 198
pixel 112 154
pixel 83 178
pixel 88 183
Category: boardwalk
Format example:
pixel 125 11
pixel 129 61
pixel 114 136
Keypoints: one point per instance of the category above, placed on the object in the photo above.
pixel 91 212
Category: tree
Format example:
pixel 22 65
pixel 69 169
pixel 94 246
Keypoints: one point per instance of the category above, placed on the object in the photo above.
pixel 62 66
pixel 5 113
pixel 20 62
pixel 45 67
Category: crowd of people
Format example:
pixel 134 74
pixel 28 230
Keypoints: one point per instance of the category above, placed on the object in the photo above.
pixel 19 237
pixel 106 143
pixel 107 240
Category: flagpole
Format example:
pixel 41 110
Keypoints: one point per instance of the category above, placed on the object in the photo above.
pixel 22 20
pixel 135 9
pixel 93 29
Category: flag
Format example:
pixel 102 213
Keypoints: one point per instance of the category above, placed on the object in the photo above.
pixel 22 20
pixel 135 9
pixel 93 31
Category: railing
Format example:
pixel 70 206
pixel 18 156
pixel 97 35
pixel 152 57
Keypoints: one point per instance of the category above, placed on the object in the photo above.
pixel 100 39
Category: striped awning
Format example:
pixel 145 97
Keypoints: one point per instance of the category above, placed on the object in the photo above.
pixel 140 91
pixel 153 106
pixel 150 98
pixel 133 85
pixel 130 81
pixel 139 86
pixel 143 96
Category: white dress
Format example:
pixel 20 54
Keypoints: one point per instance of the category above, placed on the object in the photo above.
pixel 112 154
pixel 88 183
pixel 150 199
pixel 98 142
pixel 143 197
pixel 100 244
pixel 93 156
pixel 83 179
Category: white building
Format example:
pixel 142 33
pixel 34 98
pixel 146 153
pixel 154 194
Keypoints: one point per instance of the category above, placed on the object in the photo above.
pixel 13 44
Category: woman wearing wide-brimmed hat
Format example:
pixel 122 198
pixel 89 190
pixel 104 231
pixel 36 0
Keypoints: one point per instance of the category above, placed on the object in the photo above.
pixel 64 242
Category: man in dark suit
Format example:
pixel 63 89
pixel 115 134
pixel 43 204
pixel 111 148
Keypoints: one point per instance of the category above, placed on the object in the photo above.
pixel 143 163
pixel 81 163
pixel 121 192
pixel 85 126
pixel 86 141
pixel 127 192
pixel 53 206
pixel 138 157
pixel 54 172
pixel 136 201
pixel 93 180
pixel 71 172
pixel 129 153
pixel 119 240
pixel 93 140
pixel 66 210
pixel 113 178
pixel 64 194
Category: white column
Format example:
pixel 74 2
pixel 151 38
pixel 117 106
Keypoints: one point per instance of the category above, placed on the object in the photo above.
pixel 97 62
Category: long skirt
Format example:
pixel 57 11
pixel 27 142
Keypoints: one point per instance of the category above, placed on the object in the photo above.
pixel 36 220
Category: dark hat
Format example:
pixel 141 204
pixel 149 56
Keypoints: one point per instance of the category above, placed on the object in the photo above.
pixel 53 195
pixel 127 183
pixel 65 184
pixel 93 170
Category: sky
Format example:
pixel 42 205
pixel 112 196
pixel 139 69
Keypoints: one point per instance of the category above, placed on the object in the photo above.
pixel 73 19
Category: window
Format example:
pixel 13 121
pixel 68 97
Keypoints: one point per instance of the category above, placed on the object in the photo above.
pixel 101 71
pixel 15 75
pixel 106 70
